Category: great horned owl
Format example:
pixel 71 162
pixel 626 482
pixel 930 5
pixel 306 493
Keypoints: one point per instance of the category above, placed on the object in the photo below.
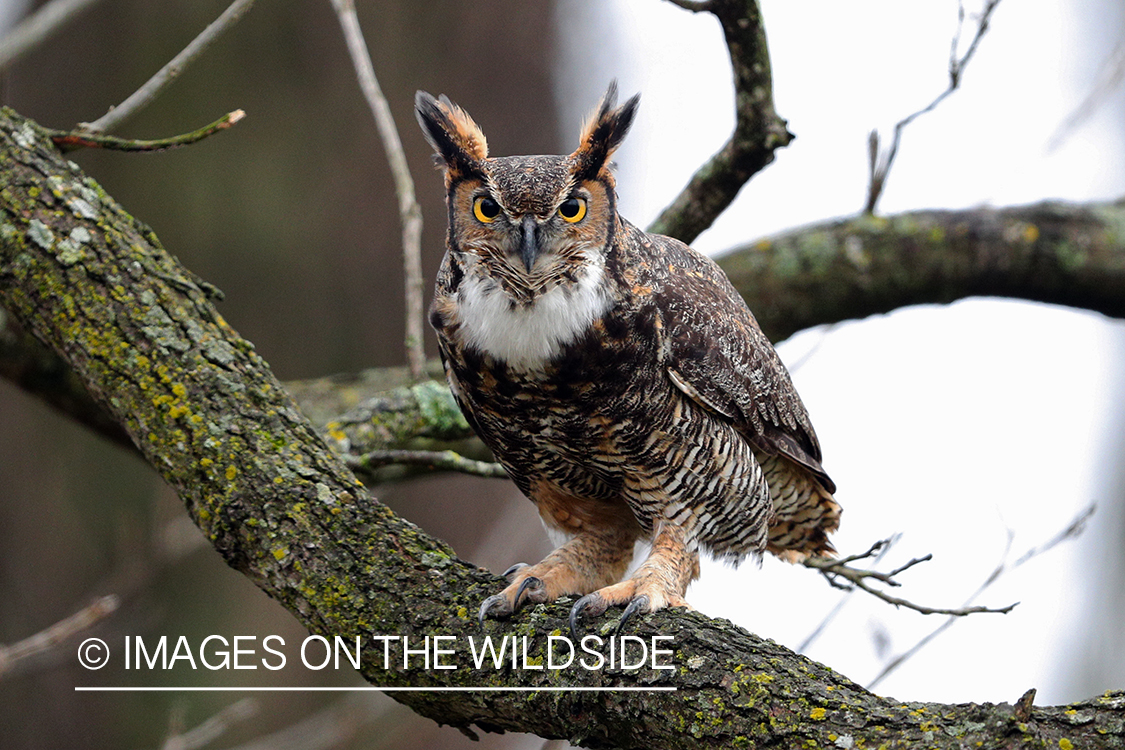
pixel 616 375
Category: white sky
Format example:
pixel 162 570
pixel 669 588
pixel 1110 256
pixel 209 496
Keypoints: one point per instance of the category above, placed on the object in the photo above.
pixel 950 425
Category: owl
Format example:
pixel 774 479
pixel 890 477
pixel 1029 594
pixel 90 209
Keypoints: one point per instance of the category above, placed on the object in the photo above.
pixel 616 375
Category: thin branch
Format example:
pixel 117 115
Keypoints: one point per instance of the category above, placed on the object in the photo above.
pixel 37 27
pixel 212 728
pixel 51 637
pixel 438 460
pixel 879 168
pixel 409 210
pixel 334 725
pixel 1072 531
pixel 841 575
pixel 1110 77
pixel 883 548
pixel 143 96
pixel 71 140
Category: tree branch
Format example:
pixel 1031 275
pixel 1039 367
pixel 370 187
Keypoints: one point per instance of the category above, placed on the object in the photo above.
pixel 839 570
pixel 144 96
pixel 51 637
pixel 758 131
pixel 206 412
pixel 36 28
pixel 69 140
pixel 1048 252
pixel 410 212
pixel 880 166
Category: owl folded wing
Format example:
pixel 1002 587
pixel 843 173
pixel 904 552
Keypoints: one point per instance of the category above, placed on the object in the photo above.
pixel 716 354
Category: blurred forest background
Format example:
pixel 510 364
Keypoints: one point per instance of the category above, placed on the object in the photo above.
pixel 293 215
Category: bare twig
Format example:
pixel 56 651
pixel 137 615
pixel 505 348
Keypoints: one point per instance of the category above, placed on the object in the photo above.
pixel 409 210
pixel 1072 531
pixel 212 728
pixel 70 140
pixel 34 29
pixel 841 575
pixel 880 167
pixel 143 96
pixel 336 724
pixel 1111 76
pixel 47 639
pixel 440 460
pixel 884 547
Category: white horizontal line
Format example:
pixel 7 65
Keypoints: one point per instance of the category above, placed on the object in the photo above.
pixel 198 689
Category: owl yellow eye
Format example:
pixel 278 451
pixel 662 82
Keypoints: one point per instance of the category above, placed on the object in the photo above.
pixel 485 209
pixel 573 209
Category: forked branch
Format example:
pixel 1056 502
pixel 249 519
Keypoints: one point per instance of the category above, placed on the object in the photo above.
pixel 144 96
pixel 841 575
pixel 880 164
pixel 70 140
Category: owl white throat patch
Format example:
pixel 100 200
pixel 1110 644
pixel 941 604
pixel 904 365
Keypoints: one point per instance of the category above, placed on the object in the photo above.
pixel 529 336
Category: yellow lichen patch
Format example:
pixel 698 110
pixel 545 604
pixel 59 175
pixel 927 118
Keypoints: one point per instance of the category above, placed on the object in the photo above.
pixel 1065 744
pixel 280 552
pixel 177 411
pixel 817 714
pixel 179 390
pixel 205 462
pixel 232 472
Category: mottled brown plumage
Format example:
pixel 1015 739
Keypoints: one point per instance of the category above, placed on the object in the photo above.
pixel 616 375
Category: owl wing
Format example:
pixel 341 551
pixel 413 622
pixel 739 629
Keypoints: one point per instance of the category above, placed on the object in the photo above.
pixel 717 355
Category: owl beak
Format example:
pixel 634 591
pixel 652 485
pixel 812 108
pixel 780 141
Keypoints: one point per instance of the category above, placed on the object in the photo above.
pixel 529 241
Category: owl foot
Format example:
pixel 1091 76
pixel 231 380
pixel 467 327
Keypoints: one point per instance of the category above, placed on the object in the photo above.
pixel 660 581
pixel 586 563
pixel 499 605
pixel 642 593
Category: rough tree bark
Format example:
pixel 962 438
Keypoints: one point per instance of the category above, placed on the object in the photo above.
pixel 1050 252
pixel 205 411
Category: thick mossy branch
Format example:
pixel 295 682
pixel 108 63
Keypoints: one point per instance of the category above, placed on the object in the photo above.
pixel 203 408
pixel 758 131
pixel 1049 252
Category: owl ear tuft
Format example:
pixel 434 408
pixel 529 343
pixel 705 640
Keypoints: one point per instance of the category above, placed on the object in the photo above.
pixel 603 133
pixel 456 139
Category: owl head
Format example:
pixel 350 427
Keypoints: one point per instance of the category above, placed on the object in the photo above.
pixel 529 223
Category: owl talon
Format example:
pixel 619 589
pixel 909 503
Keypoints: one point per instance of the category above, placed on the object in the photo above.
pixel 594 603
pixel 534 588
pixel 638 604
pixel 494 606
pixel 510 573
